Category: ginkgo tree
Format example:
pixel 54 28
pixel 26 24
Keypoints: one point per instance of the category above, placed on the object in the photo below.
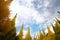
pixel 7 26
pixel 12 33
pixel 20 35
pixel 56 28
pixel 28 36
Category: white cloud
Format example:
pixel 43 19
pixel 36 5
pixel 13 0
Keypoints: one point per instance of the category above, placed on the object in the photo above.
pixel 39 6
pixel 25 14
pixel 46 14
pixel 27 3
pixel 38 18
pixel 46 3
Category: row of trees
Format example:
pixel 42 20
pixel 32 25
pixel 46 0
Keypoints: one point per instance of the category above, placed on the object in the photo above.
pixel 50 35
pixel 27 37
pixel 8 30
pixel 42 35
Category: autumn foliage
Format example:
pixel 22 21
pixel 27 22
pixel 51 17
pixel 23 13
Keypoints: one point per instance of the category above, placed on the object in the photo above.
pixel 8 29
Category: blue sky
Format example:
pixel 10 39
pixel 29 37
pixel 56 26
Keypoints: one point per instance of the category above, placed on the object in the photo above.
pixel 36 13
